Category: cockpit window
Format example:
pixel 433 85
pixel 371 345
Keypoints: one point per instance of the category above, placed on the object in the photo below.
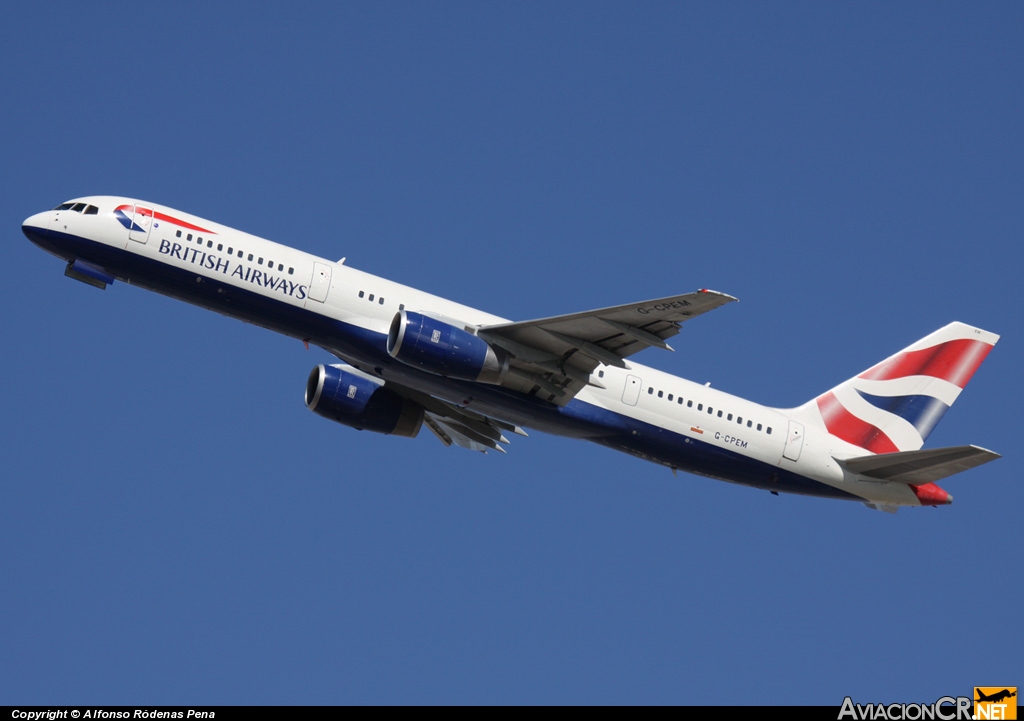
pixel 79 208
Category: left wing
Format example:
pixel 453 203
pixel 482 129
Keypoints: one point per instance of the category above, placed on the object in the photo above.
pixel 553 358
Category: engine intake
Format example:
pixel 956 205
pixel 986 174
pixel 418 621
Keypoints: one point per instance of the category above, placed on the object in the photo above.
pixel 443 349
pixel 358 402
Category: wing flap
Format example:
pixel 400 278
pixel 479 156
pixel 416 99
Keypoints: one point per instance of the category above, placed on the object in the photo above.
pixel 919 467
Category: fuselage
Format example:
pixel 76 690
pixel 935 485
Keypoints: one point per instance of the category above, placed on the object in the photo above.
pixel 636 409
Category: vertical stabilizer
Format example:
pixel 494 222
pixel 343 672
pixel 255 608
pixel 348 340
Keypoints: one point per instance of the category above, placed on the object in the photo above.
pixel 893 406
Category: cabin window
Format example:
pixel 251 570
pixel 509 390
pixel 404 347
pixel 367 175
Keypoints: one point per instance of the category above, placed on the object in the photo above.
pixel 220 246
pixel 758 426
pixel 361 294
pixel 600 374
pixel 710 410
pixel 250 257
pixel 380 301
pixel 750 424
pixel 291 271
pixel 670 396
pixel 401 306
pixel 178 234
pixel 371 297
pixel 241 253
pixel 280 266
pixel 769 430
pixel 188 237
pixel 689 404
pixel 260 261
pixel 680 400
pixel 700 406
pixel 650 391
pixel 660 394
pixel 231 251
pixel 729 417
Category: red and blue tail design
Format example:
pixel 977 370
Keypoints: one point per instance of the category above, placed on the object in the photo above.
pixel 894 405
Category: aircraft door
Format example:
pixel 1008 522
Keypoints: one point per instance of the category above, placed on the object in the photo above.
pixel 321 282
pixel 631 394
pixel 794 441
pixel 141 223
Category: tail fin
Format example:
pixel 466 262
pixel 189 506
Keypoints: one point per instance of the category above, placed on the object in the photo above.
pixel 894 405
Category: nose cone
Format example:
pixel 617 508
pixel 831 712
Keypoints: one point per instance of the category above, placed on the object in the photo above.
pixel 35 223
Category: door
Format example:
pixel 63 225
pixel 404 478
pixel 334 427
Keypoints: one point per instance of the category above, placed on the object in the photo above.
pixel 632 392
pixel 141 223
pixel 321 282
pixel 794 441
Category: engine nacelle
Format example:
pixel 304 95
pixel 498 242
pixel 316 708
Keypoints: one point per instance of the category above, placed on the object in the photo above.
pixel 337 393
pixel 443 349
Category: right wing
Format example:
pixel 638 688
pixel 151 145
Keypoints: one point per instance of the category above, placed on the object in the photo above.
pixel 552 358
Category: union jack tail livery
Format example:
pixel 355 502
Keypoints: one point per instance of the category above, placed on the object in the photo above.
pixel 893 406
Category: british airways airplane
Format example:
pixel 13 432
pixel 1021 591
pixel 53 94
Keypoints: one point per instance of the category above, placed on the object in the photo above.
pixel 411 359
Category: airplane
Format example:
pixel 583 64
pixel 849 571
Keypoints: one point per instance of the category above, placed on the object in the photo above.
pixel 411 359
pixel 996 697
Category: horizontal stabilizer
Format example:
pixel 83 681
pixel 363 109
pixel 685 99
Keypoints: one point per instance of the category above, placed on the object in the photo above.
pixel 919 467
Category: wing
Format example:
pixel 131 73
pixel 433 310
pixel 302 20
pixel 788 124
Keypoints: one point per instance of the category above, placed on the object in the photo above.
pixel 553 358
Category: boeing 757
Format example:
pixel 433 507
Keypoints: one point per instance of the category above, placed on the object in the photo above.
pixel 410 359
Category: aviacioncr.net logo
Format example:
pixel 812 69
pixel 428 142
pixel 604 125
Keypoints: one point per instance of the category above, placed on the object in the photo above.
pixel 946 708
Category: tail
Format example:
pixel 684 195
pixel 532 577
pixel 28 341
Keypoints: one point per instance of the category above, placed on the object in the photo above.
pixel 894 405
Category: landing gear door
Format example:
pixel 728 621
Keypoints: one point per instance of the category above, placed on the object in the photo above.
pixel 320 283
pixel 141 223
pixel 794 441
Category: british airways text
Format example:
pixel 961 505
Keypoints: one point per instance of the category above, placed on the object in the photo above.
pixel 244 272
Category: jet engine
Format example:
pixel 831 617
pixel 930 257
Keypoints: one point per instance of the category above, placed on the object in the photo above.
pixel 444 349
pixel 339 393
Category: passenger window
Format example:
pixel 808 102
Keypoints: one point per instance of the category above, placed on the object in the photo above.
pixel 689 404
pixel 710 410
pixel 380 301
pixel 361 294
pixel 700 406
pixel 729 418
pixel 758 426
pixel 769 430
pixel 231 251
pixel 750 424
pixel 401 306
pixel 188 237
pixel 209 244
pixel 600 374
pixel 178 234
pixel 260 261
pixel 680 400
pixel 650 391
pixel 291 271
pixel 660 394
pixel 240 254
pixel 719 414
pixel 280 266
pixel 220 246
pixel 371 297
pixel 250 257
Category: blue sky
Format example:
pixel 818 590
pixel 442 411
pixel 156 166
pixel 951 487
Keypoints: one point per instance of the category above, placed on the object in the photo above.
pixel 179 529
